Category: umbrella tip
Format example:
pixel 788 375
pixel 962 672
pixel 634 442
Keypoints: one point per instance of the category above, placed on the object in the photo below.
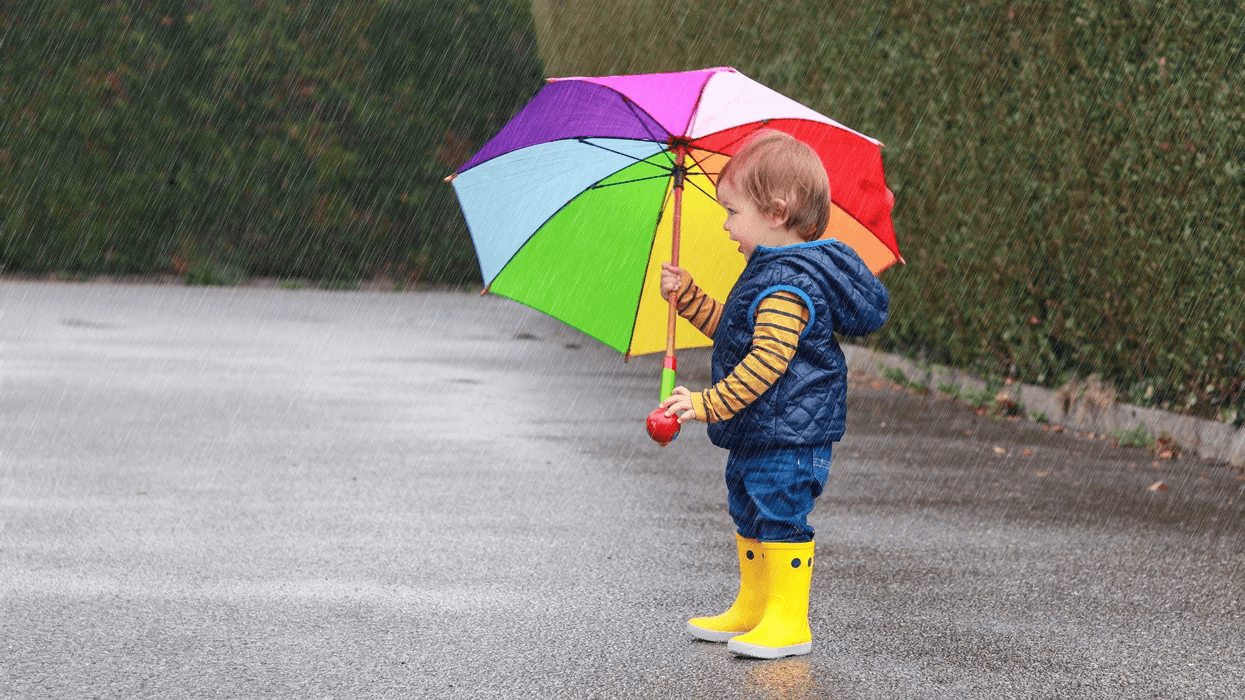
pixel 485 290
pixel 450 178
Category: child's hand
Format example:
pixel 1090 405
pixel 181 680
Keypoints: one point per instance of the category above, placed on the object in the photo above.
pixel 671 280
pixel 680 402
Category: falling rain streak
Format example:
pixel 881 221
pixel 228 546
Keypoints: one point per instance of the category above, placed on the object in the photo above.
pixel 259 435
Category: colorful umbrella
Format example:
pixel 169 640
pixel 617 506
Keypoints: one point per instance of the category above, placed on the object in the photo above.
pixel 577 201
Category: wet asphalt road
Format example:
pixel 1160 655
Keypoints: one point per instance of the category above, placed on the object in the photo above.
pixel 301 494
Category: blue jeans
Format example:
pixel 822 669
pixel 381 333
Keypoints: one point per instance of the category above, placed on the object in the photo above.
pixel 772 491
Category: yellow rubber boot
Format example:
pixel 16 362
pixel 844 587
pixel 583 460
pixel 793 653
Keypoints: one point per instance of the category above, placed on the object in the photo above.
pixel 749 605
pixel 783 630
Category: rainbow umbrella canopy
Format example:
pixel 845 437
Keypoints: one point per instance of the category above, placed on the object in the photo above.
pixel 577 201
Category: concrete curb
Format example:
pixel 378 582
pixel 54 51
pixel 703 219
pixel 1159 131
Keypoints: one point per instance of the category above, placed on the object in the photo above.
pixel 1090 412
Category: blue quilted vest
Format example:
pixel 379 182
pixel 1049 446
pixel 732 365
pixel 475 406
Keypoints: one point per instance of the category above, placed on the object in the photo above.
pixel 808 403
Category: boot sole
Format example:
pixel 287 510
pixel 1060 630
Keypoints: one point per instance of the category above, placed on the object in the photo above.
pixel 705 635
pixel 758 652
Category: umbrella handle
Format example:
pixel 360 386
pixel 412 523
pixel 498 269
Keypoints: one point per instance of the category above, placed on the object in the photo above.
pixel 670 364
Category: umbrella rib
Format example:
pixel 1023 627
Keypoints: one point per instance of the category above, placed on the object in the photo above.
pixel 634 107
pixel 696 161
pixel 705 174
pixel 628 182
pixel 760 125
pixel 586 142
pixel 701 189
pixel 697 146
pixel 700 95
pixel 862 224
pixel 660 213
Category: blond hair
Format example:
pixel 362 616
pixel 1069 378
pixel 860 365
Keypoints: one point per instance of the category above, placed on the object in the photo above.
pixel 774 168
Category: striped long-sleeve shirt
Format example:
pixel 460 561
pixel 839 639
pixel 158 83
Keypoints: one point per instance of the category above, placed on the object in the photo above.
pixel 780 319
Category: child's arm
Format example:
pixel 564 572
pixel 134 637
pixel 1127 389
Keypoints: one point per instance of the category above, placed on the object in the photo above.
pixel 780 319
pixel 702 310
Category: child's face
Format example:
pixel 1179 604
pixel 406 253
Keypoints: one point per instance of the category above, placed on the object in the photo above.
pixel 748 225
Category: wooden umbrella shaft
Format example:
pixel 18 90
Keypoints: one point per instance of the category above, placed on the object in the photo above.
pixel 670 365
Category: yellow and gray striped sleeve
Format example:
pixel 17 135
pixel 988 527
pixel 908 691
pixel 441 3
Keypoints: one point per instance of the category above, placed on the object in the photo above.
pixel 702 310
pixel 780 319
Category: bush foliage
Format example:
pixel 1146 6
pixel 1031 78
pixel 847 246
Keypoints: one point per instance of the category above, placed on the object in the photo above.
pixel 1069 176
pixel 275 138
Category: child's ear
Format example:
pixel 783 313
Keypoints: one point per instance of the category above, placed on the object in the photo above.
pixel 778 213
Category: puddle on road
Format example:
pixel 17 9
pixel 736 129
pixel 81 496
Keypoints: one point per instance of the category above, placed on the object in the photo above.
pixel 789 679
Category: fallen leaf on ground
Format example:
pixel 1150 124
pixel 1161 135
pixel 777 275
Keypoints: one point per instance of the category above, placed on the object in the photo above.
pixel 1026 452
pixel 1043 473
pixel 1000 450
pixel 1167 448
pixel 1158 486
pixel 1056 428
pixel 968 432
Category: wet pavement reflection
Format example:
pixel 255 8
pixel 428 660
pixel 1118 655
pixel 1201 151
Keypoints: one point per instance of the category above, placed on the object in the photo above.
pixel 785 679
pixel 250 492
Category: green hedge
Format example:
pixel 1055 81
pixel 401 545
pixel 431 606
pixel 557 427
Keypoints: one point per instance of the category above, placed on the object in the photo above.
pixel 1069 176
pixel 237 137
